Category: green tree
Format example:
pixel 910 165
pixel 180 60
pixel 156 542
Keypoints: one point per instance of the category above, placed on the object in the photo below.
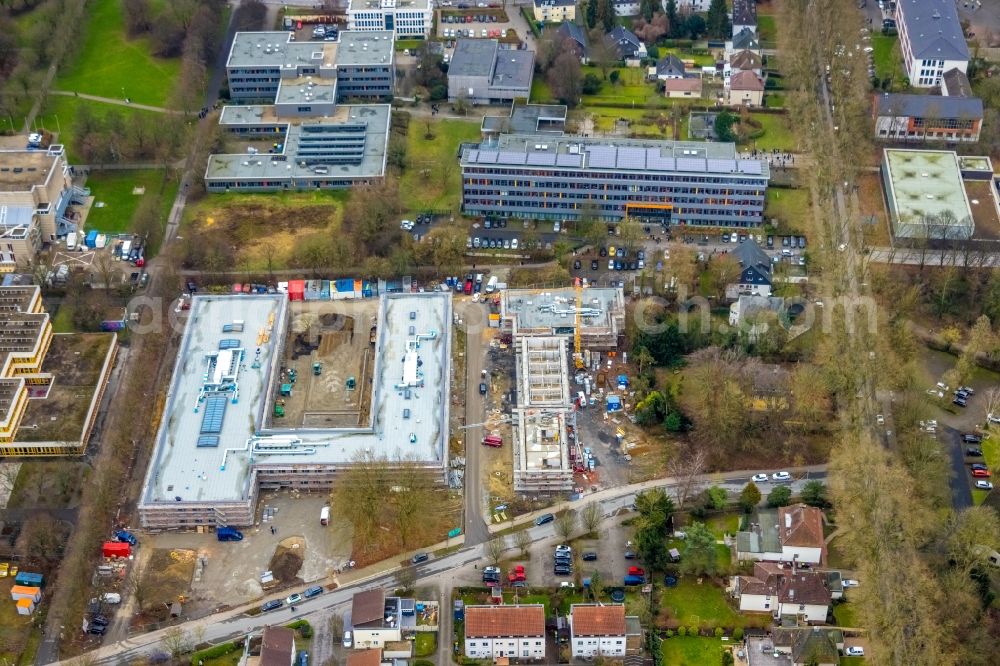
pixel 699 556
pixel 814 494
pixel 649 7
pixel 717 497
pixel 717 22
pixel 606 14
pixel 780 496
pixel 672 18
pixel 750 497
pixel 590 14
pixel 655 511
pixel 643 359
pixel 651 409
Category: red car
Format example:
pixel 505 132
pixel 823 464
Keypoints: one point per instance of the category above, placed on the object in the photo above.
pixel 636 571
pixel 517 574
pixel 981 473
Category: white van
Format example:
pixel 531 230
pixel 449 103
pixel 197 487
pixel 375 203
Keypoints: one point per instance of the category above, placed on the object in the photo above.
pixel 491 286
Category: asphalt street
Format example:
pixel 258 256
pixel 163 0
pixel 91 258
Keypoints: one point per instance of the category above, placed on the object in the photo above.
pixel 440 572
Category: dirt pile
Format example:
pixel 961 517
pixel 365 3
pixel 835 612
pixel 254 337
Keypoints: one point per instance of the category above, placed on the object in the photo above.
pixel 287 559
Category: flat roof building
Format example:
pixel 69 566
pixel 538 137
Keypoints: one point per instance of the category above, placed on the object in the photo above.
pixel 545 119
pixel 562 178
pixel 216 446
pixel 406 18
pixel 530 312
pixel 315 142
pixel 544 416
pixel 484 71
pixel 926 194
pixel 36 187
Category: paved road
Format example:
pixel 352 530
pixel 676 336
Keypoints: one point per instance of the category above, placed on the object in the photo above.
pixel 475 412
pixel 437 572
pixel 961 493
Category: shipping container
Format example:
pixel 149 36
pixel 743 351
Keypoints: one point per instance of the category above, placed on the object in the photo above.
pixel 324 291
pixel 296 290
pixel 29 579
pixel 116 549
pixel 91 240
pixel 25 592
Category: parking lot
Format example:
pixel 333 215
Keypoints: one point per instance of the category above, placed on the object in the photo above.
pixel 490 23
pixel 232 570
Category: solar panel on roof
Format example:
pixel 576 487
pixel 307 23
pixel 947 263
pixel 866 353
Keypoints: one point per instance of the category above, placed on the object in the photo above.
pixel 749 166
pixel 507 157
pixel 488 156
pixel 722 166
pixel 229 343
pixel 690 164
pixel 567 160
pixel 601 157
pixel 214 413
pixel 631 158
pixel 543 159
pixel 206 441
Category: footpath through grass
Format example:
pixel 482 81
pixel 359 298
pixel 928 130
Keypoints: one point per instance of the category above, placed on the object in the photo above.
pixel 59 116
pixel 110 65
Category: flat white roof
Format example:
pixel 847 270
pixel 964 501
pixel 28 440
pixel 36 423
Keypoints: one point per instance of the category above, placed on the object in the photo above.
pixel 406 423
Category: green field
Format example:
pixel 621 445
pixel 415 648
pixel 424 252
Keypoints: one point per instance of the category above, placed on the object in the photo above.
pixel 692 604
pixel 888 62
pixel 114 190
pixel 766 28
pixel 110 65
pixel 846 615
pixel 691 651
pixel 631 90
pixel 777 133
pixel 789 207
pixel 59 116
pixel 432 180
pixel 540 92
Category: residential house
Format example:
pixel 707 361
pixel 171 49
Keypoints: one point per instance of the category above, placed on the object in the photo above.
pixel 598 630
pixel 577 39
pixel 669 67
pixel 932 40
pixel 784 593
pixel 820 646
pixel 955 83
pixel 755 273
pixel 744 61
pixel 36 188
pixel 788 534
pixel 512 632
pixel 277 647
pixel 744 15
pixel 902 117
pixel 554 11
pixel 369 657
pixel 376 619
pixel 689 87
pixel 629 47
pixel 745 313
pixel 626 7
pixel 484 71
pixel 745 40
pixel 746 88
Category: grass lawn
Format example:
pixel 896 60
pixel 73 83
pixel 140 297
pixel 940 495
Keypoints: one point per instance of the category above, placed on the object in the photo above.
pixel 726 523
pixel 846 615
pixel 432 180
pixel 691 651
pixel 425 644
pixel 523 599
pixel 114 190
pixel 540 92
pixel 231 659
pixel 789 207
pixel 888 62
pixel 109 62
pixel 766 29
pixel 700 59
pixel 836 559
pixel 777 133
pixel 412 44
pixel 852 661
pixel 59 116
pixel 62 322
pixel 631 89
pixel 692 604
pixel 15 629
pixel 774 100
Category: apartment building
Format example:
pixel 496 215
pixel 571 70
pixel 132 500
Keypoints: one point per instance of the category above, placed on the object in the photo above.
pixel 407 19
pixel 554 11
pixel 25 336
pixel 598 630
pixel 668 182
pixel 36 187
pixel 361 63
pixel 511 632
pixel 932 40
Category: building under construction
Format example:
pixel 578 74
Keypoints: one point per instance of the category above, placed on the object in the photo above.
pixel 533 312
pixel 544 421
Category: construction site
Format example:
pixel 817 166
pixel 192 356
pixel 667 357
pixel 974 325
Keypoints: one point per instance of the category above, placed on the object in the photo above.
pixel 327 365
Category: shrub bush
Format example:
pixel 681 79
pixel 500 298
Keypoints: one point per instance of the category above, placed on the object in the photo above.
pixel 719 632
pixel 692 631
pixel 213 652
pixel 738 634
pixel 670 633
pixel 682 631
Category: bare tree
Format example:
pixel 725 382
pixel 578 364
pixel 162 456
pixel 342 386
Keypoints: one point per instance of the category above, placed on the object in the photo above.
pixel 337 626
pixel 992 405
pixel 591 517
pixel 522 538
pixel 175 641
pixel 566 524
pixel 138 589
pixel 685 467
pixel 494 549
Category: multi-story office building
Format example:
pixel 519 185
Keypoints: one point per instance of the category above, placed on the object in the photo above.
pixel 931 39
pixel 25 336
pixel 361 63
pixel 903 117
pixel 484 71
pixel 318 143
pixel 563 178
pixel 408 19
pixel 36 187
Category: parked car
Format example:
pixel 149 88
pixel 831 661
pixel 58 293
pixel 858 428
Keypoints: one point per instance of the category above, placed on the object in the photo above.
pixel 589 556
pixel 759 478
pixel 781 476
pixel 272 605
pixel 293 599
pixel 419 558
pixel 855 651
pixel 979 466
pixel 983 485
pixel 849 582
pixel 981 473
pixel 970 438
pixel 482 388
pixel 563 570
pixel 576 265
pixel 974 453
pixel 959 401
pixel 544 518
pixel 513 243
pixel 313 591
